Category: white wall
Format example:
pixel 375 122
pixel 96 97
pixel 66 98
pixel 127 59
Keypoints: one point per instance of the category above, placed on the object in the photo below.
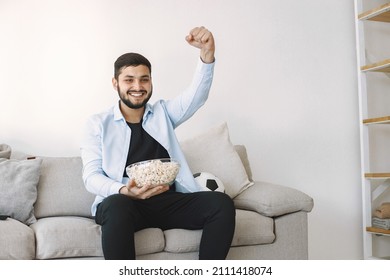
pixel 285 82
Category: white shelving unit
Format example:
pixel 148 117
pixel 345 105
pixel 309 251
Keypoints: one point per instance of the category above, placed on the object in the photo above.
pixel 374 184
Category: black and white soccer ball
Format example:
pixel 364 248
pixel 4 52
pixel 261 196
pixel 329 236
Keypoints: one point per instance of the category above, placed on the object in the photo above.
pixel 209 182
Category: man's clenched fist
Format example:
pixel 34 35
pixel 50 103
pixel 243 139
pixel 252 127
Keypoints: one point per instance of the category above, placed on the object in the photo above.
pixel 203 39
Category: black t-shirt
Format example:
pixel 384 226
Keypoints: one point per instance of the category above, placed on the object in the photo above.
pixel 143 146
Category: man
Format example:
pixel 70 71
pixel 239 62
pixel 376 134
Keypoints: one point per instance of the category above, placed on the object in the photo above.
pixel 134 130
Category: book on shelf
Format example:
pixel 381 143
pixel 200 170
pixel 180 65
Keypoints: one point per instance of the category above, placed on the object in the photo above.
pixel 381 223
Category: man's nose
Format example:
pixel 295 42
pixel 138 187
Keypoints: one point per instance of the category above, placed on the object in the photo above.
pixel 137 84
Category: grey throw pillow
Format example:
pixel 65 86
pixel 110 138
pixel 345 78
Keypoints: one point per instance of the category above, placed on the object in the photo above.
pixel 18 188
pixel 212 151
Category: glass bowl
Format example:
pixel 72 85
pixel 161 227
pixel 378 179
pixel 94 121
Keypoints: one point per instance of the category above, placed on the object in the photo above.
pixel 155 172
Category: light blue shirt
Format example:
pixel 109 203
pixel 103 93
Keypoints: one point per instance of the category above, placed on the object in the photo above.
pixel 107 136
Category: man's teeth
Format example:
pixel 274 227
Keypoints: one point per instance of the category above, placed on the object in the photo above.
pixel 136 94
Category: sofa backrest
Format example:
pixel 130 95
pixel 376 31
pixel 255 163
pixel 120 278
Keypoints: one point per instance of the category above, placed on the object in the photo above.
pixel 61 190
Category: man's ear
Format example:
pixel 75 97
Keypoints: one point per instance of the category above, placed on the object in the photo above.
pixel 115 83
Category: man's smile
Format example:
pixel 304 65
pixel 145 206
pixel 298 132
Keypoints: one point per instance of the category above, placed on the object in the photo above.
pixel 136 93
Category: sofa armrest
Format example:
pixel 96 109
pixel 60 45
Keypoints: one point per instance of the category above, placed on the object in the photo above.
pixel 273 200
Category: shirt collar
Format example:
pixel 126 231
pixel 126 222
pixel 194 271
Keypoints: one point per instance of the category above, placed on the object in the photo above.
pixel 117 112
pixel 119 116
pixel 148 110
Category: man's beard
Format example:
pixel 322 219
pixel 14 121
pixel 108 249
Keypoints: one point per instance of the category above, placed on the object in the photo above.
pixel 130 104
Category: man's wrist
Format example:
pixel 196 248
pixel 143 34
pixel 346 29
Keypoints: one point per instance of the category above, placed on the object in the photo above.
pixel 208 62
pixel 207 56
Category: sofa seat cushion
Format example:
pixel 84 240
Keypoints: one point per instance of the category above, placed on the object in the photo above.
pixel 17 241
pixel 149 241
pixel 67 237
pixel 72 237
pixel 251 229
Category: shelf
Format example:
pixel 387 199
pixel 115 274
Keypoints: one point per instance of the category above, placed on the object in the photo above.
pixel 380 120
pixel 377 175
pixel 381 13
pixel 378 231
pixel 382 66
pixel 374 184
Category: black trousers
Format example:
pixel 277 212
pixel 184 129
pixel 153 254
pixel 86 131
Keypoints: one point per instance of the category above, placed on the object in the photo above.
pixel 120 217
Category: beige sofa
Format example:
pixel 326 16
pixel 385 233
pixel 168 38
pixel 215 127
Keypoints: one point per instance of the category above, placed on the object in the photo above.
pixel 271 220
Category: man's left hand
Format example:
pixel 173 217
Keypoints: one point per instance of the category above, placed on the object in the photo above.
pixel 203 39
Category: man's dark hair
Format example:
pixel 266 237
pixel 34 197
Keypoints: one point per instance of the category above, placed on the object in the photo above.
pixel 130 59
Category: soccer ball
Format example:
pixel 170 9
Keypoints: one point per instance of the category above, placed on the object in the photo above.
pixel 209 182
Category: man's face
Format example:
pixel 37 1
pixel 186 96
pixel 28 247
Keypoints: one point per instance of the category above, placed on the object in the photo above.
pixel 134 86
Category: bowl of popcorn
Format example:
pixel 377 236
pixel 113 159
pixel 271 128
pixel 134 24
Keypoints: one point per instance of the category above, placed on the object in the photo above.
pixel 153 172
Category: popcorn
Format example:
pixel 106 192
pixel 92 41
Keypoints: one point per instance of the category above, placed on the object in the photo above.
pixel 153 172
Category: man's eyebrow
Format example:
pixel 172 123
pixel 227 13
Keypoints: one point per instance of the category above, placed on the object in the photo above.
pixel 143 76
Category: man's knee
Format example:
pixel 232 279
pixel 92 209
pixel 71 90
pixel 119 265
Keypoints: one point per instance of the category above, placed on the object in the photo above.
pixel 227 204
pixel 221 202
